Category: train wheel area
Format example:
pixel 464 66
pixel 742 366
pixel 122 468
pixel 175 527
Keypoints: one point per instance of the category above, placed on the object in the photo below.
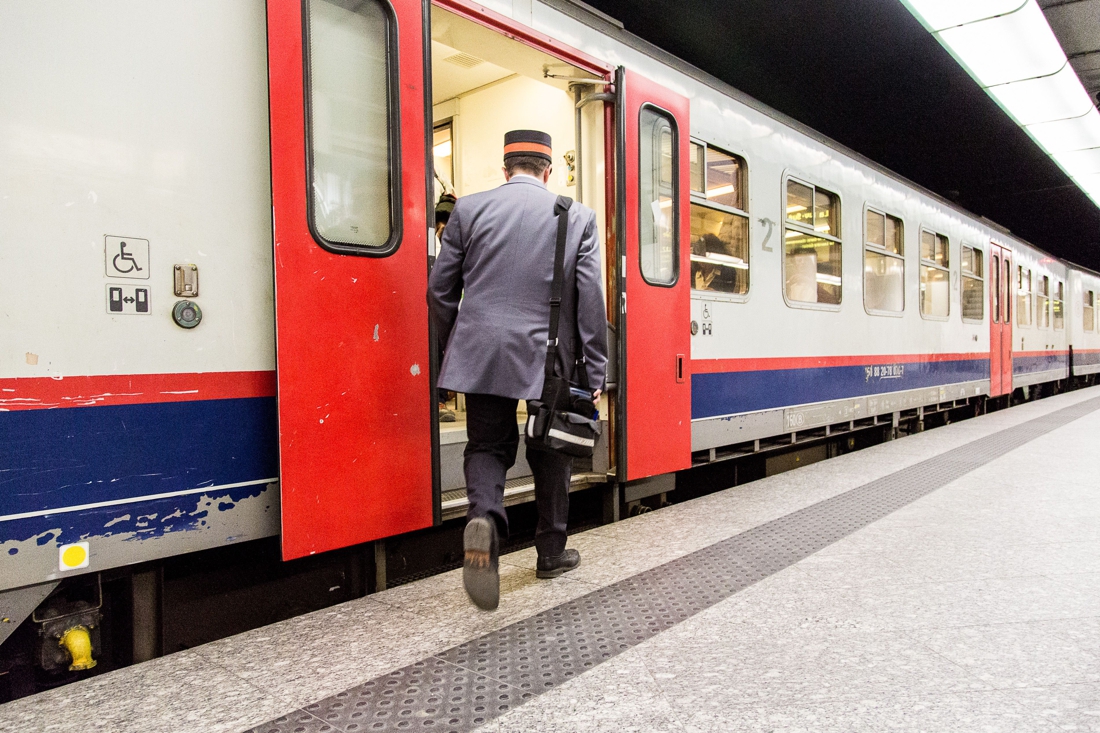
pixel 880 585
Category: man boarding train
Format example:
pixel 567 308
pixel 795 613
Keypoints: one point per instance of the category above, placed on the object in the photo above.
pixel 489 294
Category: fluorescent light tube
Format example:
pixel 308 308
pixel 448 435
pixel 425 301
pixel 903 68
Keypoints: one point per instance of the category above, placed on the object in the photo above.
pixel 1079 163
pixel 940 14
pixel 1055 97
pixel 1077 133
pixel 1006 48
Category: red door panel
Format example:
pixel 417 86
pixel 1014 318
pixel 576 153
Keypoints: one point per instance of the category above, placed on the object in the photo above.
pixel 657 310
pixel 355 429
pixel 1000 321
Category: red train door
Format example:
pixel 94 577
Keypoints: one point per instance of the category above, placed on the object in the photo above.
pixel 655 307
pixel 348 152
pixel 1000 320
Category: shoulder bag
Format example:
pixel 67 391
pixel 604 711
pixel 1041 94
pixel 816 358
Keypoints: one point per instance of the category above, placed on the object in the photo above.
pixel 562 419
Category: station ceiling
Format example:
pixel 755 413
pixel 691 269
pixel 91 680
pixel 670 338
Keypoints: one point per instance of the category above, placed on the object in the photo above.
pixel 867 74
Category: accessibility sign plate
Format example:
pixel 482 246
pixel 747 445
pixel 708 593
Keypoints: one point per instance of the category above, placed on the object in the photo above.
pixel 127 300
pixel 126 257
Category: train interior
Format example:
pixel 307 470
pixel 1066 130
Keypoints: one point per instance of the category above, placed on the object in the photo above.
pixel 483 85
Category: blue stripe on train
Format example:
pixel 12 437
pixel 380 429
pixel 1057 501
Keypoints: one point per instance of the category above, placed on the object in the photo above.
pixel 1087 358
pixel 53 459
pixel 730 393
pixel 146 519
pixel 1043 363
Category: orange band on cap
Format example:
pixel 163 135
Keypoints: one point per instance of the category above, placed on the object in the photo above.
pixel 527 148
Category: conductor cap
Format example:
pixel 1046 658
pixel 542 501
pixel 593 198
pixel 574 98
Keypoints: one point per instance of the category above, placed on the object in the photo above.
pixel 527 142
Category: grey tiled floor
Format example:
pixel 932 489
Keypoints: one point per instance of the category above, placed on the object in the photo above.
pixel 975 608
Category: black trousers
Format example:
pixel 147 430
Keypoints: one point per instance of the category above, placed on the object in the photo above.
pixel 493 439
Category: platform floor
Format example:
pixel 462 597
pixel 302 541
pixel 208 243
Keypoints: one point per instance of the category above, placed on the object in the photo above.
pixel 947 581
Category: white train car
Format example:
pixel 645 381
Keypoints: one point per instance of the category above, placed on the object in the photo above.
pixel 215 240
pixel 1083 333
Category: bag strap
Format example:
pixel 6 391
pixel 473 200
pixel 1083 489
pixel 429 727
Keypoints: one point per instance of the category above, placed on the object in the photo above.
pixel 561 209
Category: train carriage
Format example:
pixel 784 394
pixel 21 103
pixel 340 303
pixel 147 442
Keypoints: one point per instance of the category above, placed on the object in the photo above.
pixel 215 238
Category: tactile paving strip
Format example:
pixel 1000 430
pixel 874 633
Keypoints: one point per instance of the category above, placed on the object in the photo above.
pixel 467 686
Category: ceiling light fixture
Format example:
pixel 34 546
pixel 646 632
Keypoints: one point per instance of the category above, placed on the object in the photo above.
pixel 1007 46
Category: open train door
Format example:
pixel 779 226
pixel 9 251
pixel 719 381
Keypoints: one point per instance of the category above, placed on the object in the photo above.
pixel 348 157
pixel 1000 320
pixel 655 309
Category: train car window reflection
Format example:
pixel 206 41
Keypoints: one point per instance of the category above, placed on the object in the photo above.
pixel 1059 306
pixel 812 246
pixel 659 215
pixel 349 124
pixel 935 275
pixel 1023 296
pixel 973 284
pixel 1088 315
pixel 719 251
pixel 883 263
pixel 1042 303
pixel 719 223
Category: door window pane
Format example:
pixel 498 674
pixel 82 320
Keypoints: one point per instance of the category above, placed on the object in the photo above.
pixel 973 286
pixel 659 216
pixel 1089 315
pixel 351 192
pixel 1059 316
pixel 996 289
pixel 719 251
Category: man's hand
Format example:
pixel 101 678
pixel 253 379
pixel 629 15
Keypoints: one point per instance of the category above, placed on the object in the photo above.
pixel 596 395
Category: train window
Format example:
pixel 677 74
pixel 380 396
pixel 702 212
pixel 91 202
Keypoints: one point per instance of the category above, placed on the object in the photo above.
pixel 350 135
pixel 717 176
pixel 1059 306
pixel 996 291
pixel 883 263
pixel 1042 303
pixel 719 223
pixel 935 275
pixel 812 247
pixel 1023 296
pixel 973 285
pixel 1088 316
pixel 659 217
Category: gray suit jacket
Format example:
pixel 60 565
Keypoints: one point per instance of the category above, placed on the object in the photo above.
pixel 489 292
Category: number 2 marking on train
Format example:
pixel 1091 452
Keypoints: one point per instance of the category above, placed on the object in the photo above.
pixel 767 238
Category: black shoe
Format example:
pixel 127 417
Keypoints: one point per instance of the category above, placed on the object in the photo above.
pixel 480 570
pixel 552 567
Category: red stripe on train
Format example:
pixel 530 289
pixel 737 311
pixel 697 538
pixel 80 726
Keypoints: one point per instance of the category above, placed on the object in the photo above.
pixel 717 366
pixel 43 393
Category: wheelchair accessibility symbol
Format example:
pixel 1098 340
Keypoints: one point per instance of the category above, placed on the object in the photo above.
pixel 127 257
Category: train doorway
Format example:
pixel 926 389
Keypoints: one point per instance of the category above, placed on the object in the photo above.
pixel 489 76
pixel 1000 320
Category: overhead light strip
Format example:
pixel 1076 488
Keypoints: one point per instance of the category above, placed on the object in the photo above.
pixel 1008 47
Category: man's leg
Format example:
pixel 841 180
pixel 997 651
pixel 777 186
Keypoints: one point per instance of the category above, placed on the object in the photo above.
pixel 492 440
pixel 552 471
